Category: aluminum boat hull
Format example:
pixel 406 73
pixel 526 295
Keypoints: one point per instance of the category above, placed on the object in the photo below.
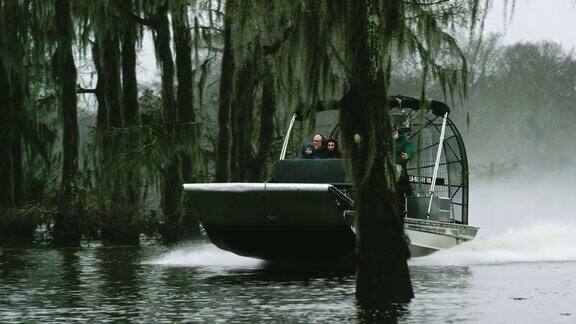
pixel 283 222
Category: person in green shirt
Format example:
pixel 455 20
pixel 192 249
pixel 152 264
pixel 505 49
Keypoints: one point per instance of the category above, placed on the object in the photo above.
pixel 404 151
pixel 403 148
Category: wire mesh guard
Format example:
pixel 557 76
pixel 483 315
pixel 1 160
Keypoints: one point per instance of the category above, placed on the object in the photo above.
pixel 452 181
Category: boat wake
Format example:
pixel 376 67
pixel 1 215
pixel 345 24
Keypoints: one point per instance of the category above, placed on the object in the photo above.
pixel 204 255
pixel 536 243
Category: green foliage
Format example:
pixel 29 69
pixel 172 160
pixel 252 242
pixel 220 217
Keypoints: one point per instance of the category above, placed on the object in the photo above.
pixel 36 65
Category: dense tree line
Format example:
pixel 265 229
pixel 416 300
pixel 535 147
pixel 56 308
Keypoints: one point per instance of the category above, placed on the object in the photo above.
pixel 100 184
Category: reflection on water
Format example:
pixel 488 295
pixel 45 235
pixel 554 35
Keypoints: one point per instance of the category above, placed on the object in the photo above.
pixel 140 285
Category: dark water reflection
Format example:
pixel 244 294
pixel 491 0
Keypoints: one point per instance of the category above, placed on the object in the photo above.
pixel 120 284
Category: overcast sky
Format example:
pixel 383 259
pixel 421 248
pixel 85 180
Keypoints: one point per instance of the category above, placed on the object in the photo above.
pixel 536 20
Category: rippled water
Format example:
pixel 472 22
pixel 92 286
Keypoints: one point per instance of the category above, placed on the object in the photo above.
pixel 520 269
pixel 202 283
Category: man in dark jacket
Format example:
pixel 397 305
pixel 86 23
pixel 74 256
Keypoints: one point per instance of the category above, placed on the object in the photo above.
pixel 319 142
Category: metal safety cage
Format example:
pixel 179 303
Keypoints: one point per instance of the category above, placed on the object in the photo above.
pixel 452 176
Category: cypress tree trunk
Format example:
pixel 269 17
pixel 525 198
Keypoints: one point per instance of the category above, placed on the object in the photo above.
pixel 66 226
pixel 164 53
pixel 226 94
pixel 189 139
pixel 12 191
pixel 182 45
pixel 12 96
pixel 102 120
pixel 7 194
pixel 17 101
pixel 112 83
pixel 382 270
pixel 267 109
pixel 242 121
pixel 126 230
pixel 172 184
pixel 129 82
pixel 115 180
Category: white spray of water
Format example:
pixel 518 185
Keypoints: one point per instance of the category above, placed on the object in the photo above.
pixel 520 220
pixel 536 243
pixel 204 255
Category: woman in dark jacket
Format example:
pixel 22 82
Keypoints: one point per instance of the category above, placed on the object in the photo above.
pixel 333 149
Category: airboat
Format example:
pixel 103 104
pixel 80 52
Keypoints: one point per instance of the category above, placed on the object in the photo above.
pixel 305 211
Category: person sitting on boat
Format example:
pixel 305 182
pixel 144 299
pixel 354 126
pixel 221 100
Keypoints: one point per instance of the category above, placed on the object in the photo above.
pixel 333 149
pixel 319 142
pixel 404 151
pixel 403 148
pixel 308 152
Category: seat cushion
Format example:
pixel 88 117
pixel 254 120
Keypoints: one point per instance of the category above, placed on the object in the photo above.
pixel 331 171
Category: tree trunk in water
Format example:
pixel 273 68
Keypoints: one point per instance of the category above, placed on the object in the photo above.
pixel 66 225
pixel 11 108
pixel 172 184
pixel 130 114
pixel 6 179
pixel 16 142
pixel 115 180
pixel 382 270
pixel 224 109
pixel 187 132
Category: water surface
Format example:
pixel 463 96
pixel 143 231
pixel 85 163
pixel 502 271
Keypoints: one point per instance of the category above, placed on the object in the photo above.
pixel 201 283
pixel 521 268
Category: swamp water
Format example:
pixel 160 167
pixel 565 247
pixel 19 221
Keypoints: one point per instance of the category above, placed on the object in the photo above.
pixel 522 268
